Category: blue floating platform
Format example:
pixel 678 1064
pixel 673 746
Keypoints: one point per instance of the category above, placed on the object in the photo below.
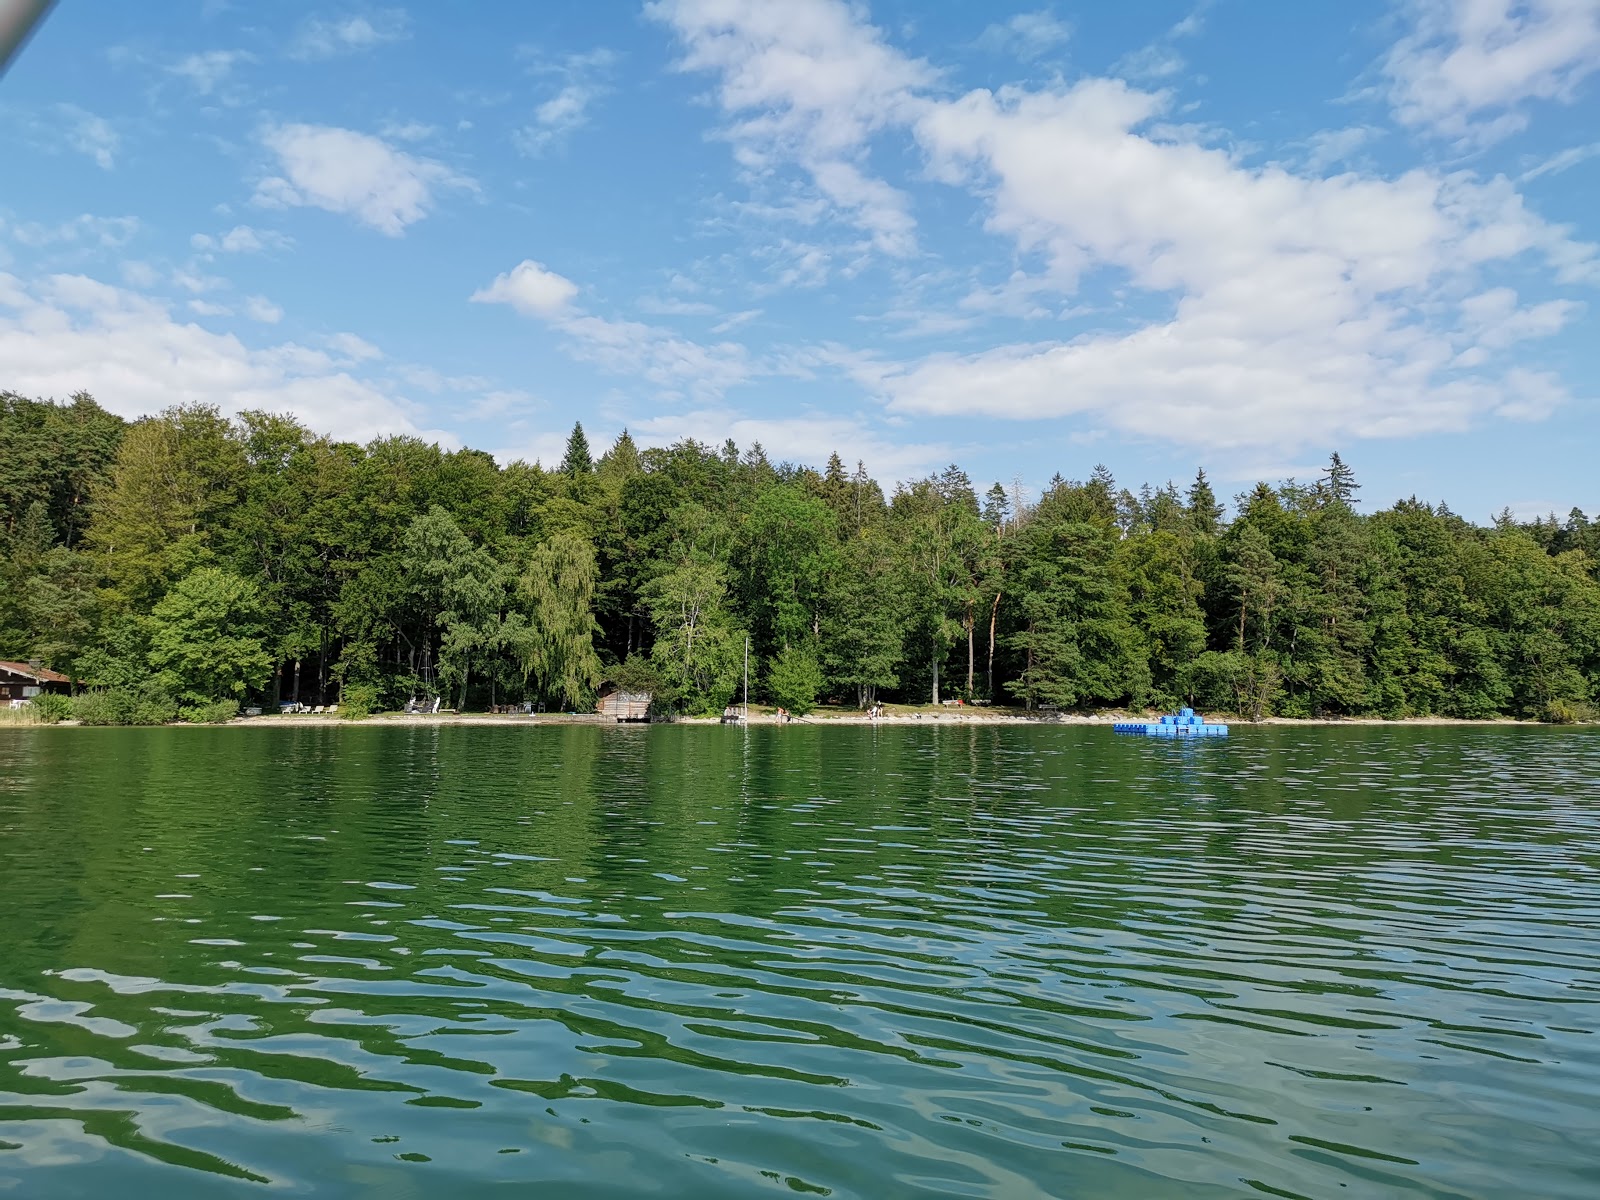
pixel 1185 723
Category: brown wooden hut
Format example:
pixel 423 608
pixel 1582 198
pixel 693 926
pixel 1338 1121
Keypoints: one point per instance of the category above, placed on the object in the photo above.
pixel 624 706
pixel 24 681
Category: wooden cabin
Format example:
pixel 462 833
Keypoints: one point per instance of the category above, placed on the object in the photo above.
pixel 24 681
pixel 624 706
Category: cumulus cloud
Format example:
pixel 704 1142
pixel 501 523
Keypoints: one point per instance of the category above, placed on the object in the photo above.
pixel 353 173
pixel 1298 303
pixel 329 37
pixel 807 83
pixel 71 332
pixel 1298 306
pixel 1467 67
pixel 531 289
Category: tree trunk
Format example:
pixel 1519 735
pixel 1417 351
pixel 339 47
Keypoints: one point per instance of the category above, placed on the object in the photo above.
pixel 971 622
pixel 1028 670
pixel 994 615
pixel 296 694
pixel 936 673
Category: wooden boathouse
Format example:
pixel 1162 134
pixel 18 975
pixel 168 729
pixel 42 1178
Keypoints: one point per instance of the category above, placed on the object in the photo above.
pixel 624 706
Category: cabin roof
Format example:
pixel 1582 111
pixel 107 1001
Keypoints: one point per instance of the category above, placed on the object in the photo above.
pixel 41 674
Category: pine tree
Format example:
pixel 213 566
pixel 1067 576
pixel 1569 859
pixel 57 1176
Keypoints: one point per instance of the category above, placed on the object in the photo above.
pixel 1339 484
pixel 996 508
pixel 1205 514
pixel 576 461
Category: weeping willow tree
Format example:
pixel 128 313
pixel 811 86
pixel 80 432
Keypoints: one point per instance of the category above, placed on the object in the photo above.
pixel 555 640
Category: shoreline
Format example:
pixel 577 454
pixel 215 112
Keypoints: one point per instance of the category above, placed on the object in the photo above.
pixel 964 717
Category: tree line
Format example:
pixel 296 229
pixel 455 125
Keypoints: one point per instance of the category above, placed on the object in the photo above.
pixel 188 561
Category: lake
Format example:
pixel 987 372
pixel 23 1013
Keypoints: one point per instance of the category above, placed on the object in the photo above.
pixel 1007 961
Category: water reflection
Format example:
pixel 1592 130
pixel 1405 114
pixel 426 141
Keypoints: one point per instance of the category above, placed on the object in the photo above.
pixel 862 962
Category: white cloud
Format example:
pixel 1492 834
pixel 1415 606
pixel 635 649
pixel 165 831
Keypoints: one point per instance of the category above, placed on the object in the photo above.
pixel 1160 60
pixel 1563 161
pixel 259 308
pixel 204 308
pixel 193 281
pixel 207 70
pixel 1492 320
pixel 531 289
pixel 1299 305
pixel 734 320
pixel 659 356
pixel 343 171
pixel 69 332
pixel 353 348
pixel 1153 63
pixel 582 82
pixel 242 239
pixel 408 131
pixel 1467 67
pixel 810 85
pixel 807 438
pixel 110 232
pixel 648 352
pixel 1027 35
pixel 90 135
pixel 1336 147
pixel 327 37
pixel 673 307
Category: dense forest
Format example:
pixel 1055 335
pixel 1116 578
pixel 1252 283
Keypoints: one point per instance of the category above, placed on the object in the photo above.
pixel 188 560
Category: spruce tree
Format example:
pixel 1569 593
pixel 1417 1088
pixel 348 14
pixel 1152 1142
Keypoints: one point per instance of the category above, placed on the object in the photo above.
pixel 1205 514
pixel 1339 484
pixel 577 461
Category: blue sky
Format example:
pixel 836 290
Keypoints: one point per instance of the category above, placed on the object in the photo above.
pixel 1159 236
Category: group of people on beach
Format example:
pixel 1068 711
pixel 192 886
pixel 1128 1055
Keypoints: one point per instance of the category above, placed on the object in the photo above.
pixel 875 712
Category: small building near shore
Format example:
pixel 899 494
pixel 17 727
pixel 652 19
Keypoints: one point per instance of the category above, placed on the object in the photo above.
pixel 624 706
pixel 24 681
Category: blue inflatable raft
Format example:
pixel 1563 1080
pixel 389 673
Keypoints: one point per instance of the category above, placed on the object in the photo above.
pixel 1185 724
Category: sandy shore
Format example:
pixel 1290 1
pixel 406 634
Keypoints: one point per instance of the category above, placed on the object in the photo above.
pixel 915 717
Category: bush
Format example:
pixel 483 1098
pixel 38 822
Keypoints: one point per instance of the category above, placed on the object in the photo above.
pixel 358 702
pixel 218 712
pixel 1565 712
pixel 50 708
pixel 124 706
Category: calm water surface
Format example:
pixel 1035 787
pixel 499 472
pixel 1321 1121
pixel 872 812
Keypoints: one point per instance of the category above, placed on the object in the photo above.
pixel 706 962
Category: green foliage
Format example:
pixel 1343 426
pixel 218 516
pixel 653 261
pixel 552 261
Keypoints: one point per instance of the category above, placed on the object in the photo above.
pixel 1565 712
pixel 147 705
pixel 358 701
pixel 555 641
pixel 199 558
pixel 638 674
pixel 794 679
pixel 208 638
pixel 51 708
pixel 218 712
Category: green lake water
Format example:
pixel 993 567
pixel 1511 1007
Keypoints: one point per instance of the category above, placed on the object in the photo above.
pixel 714 962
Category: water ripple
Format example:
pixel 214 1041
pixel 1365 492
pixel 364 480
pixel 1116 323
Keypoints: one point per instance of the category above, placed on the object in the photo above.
pixel 886 963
